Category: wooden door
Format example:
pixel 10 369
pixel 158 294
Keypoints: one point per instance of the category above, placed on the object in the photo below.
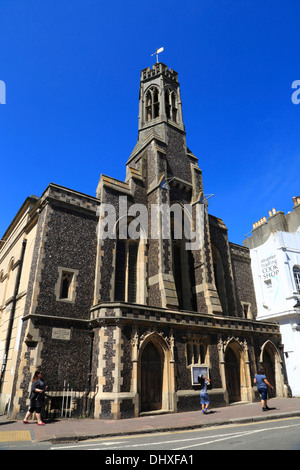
pixel 232 370
pixel 269 369
pixel 151 379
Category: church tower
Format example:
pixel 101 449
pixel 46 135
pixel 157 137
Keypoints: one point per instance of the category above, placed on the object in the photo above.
pixel 171 176
pixel 160 102
pixel 160 117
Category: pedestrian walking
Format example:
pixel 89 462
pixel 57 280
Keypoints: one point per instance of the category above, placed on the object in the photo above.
pixel 262 384
pixel 37 396
pixel 204 398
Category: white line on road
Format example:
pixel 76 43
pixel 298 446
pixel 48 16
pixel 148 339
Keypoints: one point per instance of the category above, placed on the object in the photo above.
pixel 68 446
pixel 214 439
pixel 145 444
pixel 237 435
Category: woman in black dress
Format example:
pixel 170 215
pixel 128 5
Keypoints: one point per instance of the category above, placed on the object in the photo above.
pixel 37 396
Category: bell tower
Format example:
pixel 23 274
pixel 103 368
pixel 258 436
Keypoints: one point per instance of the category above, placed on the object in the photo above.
pixel 160 120
pixel 160 101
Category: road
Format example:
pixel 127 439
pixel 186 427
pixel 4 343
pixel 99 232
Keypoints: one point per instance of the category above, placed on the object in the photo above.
pixel 282 434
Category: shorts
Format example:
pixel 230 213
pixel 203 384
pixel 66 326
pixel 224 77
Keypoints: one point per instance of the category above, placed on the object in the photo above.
pixel 204 399
pixel 35 405
pixel 263 393
pixel 38 409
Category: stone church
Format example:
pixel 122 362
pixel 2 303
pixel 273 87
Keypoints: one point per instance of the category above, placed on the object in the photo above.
pixel 129 321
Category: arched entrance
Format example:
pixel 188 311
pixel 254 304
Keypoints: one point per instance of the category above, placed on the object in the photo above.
pixel 232 373
pixel 151 378
pixel 269 368
pixel 271 362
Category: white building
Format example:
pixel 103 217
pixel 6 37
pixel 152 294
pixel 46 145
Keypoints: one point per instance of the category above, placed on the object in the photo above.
pixel 275 260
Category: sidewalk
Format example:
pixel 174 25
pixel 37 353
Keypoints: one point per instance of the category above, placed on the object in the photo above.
pixel 66 430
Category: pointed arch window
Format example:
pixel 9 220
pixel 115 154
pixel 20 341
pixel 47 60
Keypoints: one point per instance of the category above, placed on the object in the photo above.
pixel 148 106
pixel 126 271
pixel 155 103
pixel 171 104
pixel 183 264
pixel 126 265
pixel 67 278
pixel 65 288
pixel 152 103
pixel 219 278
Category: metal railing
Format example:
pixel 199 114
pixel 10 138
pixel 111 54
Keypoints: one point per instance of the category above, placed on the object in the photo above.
pixel 68 402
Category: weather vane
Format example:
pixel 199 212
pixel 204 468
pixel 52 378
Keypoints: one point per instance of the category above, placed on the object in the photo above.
pixel 157 52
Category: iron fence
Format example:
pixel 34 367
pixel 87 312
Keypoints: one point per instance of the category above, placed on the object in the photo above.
pixel 66 401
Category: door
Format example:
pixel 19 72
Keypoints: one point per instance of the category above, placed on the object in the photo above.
pixel 269 369
pixel 151 379
pixel 232 370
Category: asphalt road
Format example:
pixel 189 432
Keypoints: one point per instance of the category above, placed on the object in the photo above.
pixel 282 434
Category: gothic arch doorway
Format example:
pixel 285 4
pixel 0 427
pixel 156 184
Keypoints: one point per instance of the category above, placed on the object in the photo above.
pixel 151 378
pixel 271 362
pixel 232 373
pixel 269 368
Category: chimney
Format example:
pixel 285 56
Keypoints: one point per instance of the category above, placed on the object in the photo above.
pixel 296 200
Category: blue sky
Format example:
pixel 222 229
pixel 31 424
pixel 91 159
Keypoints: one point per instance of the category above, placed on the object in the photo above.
pixel 72 68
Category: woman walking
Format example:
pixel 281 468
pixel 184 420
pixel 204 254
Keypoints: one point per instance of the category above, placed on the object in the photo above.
pixel 37 396
pixel 204 398
pixel 262 387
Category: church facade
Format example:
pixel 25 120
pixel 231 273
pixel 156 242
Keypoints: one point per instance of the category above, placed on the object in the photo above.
pixel 129 295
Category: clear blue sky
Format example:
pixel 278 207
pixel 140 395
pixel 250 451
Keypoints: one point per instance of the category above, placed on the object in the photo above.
pixel 72 68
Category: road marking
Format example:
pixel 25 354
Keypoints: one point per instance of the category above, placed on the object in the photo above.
pixel 235 434
pixel 111 443
pixel 13 436
pixel 86 445
pixel 245 433
pixel 240 434
pixel 120 439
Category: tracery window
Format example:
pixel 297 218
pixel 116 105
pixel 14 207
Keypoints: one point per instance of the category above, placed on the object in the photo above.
pixel 183 265
pixel 126 270
pixel 196 352
pixel 171 104
pixel 152 103
pixel 220 278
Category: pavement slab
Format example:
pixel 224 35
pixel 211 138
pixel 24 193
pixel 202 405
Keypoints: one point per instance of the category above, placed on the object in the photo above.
pixel 71 429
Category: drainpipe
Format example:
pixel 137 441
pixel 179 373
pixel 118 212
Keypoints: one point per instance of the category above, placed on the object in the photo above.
pixel 88 387
pixel 12 315
pixel 90 361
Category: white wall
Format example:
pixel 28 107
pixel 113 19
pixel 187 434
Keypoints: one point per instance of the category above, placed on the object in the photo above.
pixel 272 267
